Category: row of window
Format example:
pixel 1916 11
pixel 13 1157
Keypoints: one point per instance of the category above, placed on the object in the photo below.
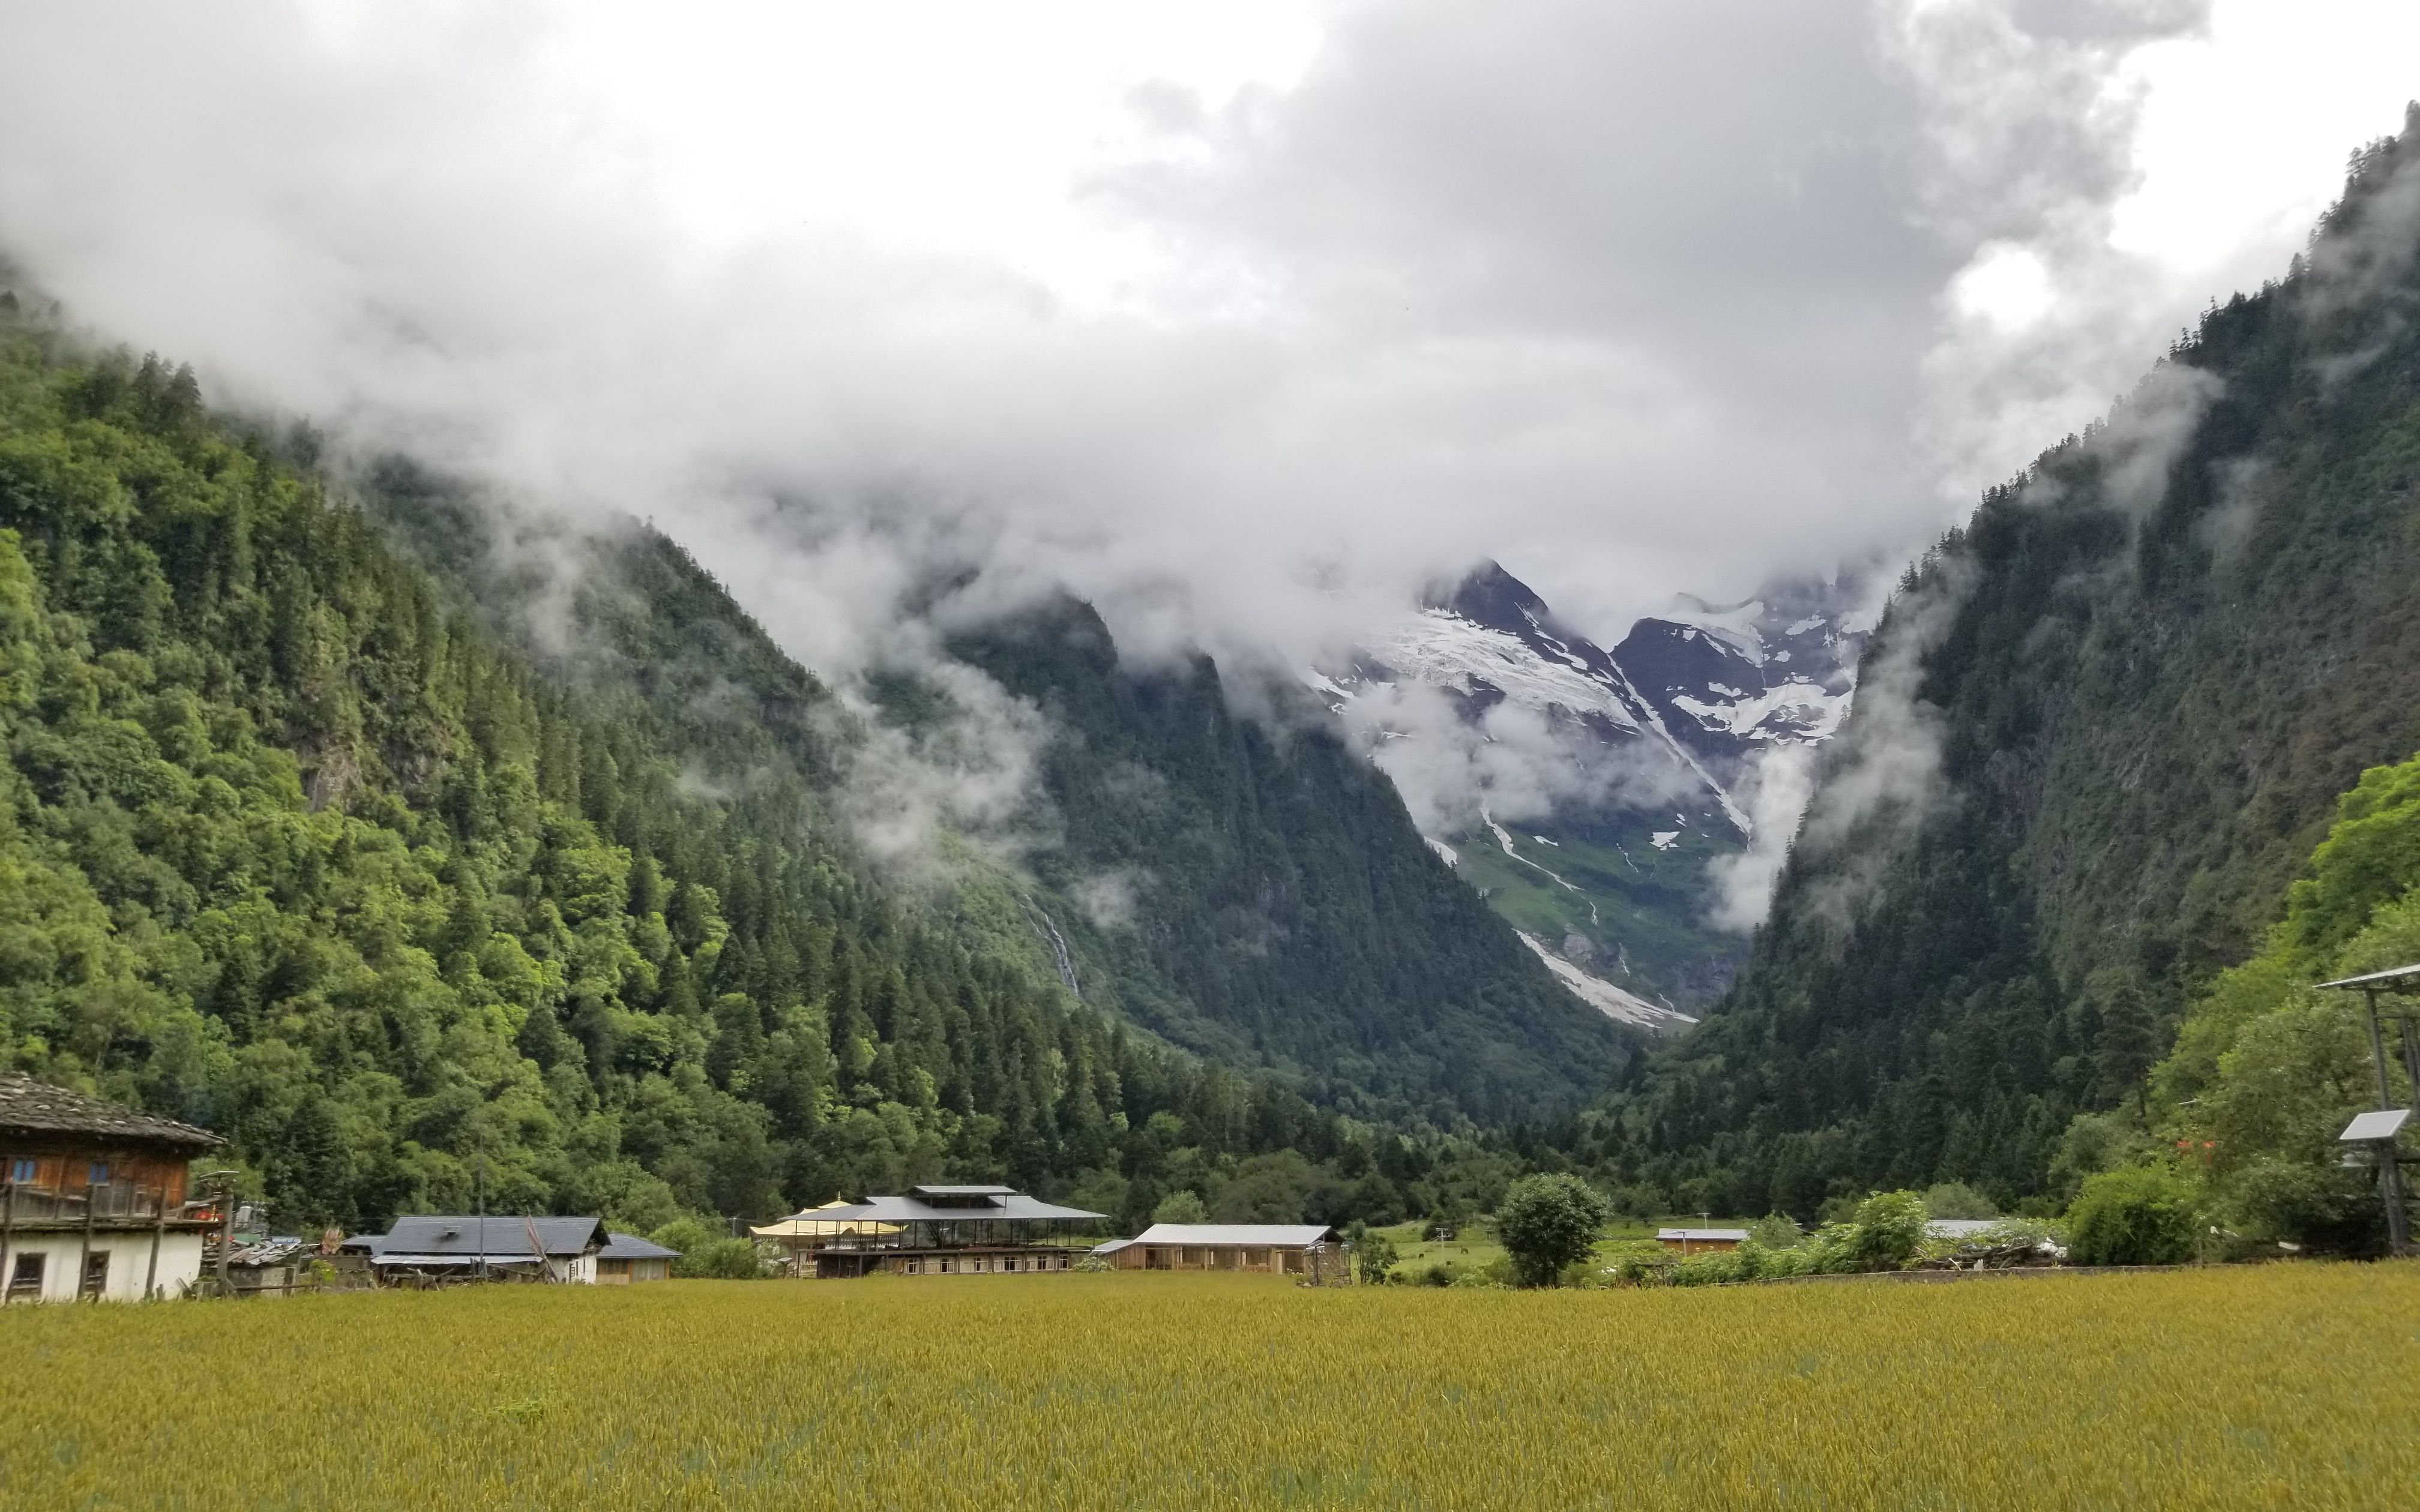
pixel 25 1276
pixel 25 1172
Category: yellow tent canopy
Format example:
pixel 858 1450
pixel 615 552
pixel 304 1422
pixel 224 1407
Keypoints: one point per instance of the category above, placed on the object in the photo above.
pixel 804 1225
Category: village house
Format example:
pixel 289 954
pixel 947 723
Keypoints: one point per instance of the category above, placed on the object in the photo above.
pixel 418 1250
pixel 934 1230
pixel 94 1205
pixel 1700 1241
pixel 1309 1251
pixel 626 1258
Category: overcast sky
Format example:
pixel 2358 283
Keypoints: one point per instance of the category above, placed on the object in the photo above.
pixel 1242 318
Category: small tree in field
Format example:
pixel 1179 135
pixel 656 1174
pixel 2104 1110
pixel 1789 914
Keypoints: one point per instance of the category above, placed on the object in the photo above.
pixel 1547 1222
pixel 2139 1216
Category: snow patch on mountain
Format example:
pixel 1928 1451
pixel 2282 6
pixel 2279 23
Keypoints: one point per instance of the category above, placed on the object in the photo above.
pixel 1603 995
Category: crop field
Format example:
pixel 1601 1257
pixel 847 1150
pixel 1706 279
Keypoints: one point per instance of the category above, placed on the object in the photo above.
pixel 2279 1386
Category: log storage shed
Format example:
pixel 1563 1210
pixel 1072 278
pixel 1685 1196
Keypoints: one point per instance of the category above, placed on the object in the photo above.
pixel 1309 1252
pixel 93 1203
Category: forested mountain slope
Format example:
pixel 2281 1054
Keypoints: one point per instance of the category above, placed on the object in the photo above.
pixel 1264 897
pixel 300 841
pixel 294 850
pixel 2101 729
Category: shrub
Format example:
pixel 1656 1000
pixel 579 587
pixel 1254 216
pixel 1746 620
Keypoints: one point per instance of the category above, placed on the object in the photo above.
pixel 1374 1256
pixel 1956 1199
pixel 1888 1227
pixel 1546 1222
pixel 1777 1230
pixel 2140 1216
pixel 1709 1269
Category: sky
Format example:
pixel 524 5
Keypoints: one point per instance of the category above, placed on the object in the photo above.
pixel 1244 321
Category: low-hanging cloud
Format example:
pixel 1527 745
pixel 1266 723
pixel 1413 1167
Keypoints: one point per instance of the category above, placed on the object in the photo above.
pixel 1630 296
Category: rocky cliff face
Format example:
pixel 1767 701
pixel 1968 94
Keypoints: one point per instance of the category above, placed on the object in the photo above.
pixel 1594 798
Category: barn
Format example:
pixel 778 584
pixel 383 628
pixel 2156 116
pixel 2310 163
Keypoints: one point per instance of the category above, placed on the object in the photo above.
pixel 1309 1252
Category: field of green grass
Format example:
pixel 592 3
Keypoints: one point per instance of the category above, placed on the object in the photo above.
pixel 2283 1385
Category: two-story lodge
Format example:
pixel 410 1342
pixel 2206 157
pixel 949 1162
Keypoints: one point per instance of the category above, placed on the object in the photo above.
pixel 92 1198
pixel 935 1230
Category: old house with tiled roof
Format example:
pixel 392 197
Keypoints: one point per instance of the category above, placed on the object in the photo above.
pixel 92 1198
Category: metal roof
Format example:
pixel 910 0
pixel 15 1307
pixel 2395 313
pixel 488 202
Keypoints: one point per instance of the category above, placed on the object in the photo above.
pixel 2381 978
pixel 964 1191
pixel 501 1238
pixel 1214 1236
pixel 1959 1227
pixel 28 1107
pixel 632 1247
pixel 2383 1124
pixel 1113 1246
pixel 1013 1206
pixel 1735 1235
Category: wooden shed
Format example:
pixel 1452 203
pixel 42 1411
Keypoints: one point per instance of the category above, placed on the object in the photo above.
pixel 1700 1241
pixel 626 1258
pixel 1309 1252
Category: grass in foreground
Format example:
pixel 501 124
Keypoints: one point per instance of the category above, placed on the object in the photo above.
pixel 2283 1385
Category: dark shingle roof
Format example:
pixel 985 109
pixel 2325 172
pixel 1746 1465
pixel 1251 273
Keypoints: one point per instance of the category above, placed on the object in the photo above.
pixel 632 1247
pixel 505 1238
pixel 28 1107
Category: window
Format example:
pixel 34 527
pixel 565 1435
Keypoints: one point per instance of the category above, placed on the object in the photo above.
pixel 22 1172
pixel 27 1279
pixel 96 1272
pixel 99 1175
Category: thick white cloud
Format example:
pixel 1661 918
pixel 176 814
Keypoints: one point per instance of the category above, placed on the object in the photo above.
pixel 1244 319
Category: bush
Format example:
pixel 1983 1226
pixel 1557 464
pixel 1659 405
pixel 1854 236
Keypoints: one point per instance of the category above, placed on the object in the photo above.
pixel 1373 1255
pixel 1956 1199
pixel 1777 1230
pixel 2141 1216
pixel 1888 1228
pixel 706 1251
pixel 1546 1222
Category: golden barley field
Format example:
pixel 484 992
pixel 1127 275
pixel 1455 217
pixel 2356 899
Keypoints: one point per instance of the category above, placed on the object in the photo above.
pixel 2284 1386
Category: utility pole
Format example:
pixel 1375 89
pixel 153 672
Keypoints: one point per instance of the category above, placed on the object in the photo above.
pixel 479 1265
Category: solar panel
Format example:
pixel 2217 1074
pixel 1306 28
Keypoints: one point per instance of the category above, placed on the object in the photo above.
pixel 2383 1124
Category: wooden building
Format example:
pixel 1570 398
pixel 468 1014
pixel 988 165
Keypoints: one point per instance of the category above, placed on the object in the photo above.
pixel 1308 1252
pixel 94 1205
pixel 935 1230
pixel 1700 1241
pixel 626 1258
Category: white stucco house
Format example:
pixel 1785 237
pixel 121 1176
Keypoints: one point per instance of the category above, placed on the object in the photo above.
pixel 92 1198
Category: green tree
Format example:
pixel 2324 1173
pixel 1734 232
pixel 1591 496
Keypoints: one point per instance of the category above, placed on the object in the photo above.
pixel 1181 1207
pixel 1956 1199
pixel 2142 1216
pixel 1887 1230
pixel 1548 1222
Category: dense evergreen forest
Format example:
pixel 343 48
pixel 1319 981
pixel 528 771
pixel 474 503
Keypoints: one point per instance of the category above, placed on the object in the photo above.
pixel 298 843
pixel 2102 727
pixel 1282 907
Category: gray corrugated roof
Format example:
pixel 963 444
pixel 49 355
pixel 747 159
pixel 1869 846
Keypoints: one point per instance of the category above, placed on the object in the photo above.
pixel 28 1107
pixel 632 1247
pixel 1112 1246
pixel 890 1210
pixel 1281 1236
pixel 1737 1235
pixel 502 1238
pixel 964 1191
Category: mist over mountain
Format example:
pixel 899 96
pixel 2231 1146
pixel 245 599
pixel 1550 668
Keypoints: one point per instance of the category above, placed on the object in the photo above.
pixel 1624 809
pixel 2100 729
